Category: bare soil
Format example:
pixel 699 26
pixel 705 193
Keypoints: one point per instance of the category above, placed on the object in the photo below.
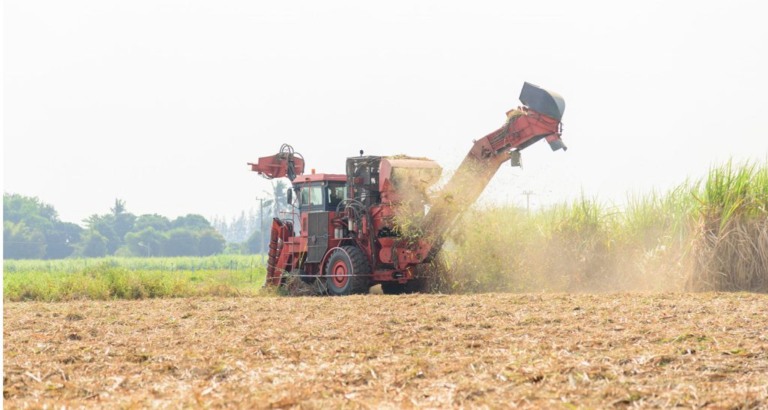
pixel 425 351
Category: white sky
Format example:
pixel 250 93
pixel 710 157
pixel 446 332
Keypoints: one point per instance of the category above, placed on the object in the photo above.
pixel 162 103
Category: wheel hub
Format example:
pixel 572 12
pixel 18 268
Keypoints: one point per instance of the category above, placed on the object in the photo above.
pixel 340 274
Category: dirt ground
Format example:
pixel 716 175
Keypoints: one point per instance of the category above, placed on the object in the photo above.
pixel 376 351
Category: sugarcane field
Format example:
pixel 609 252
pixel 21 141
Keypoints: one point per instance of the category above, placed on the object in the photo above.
pixel 496 350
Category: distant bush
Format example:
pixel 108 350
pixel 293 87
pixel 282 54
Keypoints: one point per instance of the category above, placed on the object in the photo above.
pixel 131 278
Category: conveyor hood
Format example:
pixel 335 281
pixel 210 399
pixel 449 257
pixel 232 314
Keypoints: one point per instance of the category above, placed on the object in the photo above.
pixel 542 101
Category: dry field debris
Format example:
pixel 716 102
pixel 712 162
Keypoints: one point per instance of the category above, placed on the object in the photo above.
pixel 705 350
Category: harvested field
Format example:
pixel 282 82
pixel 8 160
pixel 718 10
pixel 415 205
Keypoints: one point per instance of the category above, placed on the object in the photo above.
pixel 491 350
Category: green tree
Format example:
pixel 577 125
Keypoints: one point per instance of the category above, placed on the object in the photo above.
pixel 93 245
pixel 279 201
pixel 191 221
pixel 181 242
pixel 253 245
pixel 31 226
pixel 211 242
pixel 155 221
pixel 147 242
pixel 123 221
pixel 61 240
pixel 113 226
pixel 22 242
pixel 35 214
pixel 239 228
pixel 105 226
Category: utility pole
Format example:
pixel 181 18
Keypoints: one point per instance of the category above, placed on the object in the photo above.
pixel 261 227
pixel 528 194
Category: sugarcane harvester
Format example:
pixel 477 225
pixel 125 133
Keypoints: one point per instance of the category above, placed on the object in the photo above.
pixel 378 223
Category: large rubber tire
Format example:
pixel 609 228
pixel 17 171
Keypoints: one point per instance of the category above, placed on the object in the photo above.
pixel 347 272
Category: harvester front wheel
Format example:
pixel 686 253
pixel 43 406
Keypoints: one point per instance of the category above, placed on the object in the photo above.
pixel 347 272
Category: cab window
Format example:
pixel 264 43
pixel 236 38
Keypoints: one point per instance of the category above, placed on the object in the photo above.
pixel 335 195
pixel 316 195
pixel 312 195
pixel 322 196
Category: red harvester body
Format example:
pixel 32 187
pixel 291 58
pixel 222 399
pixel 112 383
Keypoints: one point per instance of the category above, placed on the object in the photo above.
pixel 369 226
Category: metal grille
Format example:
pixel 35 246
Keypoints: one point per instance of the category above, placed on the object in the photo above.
pixel 317 232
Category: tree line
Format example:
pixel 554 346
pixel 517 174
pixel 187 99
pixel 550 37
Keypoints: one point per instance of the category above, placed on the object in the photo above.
pixel 32 230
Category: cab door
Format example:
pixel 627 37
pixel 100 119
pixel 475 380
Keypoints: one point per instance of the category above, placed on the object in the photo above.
pixel 317 220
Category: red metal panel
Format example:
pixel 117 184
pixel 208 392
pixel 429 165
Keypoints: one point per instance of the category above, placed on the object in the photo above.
pixel 320 178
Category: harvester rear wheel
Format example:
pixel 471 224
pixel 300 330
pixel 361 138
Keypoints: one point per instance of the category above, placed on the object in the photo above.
pixel 347 272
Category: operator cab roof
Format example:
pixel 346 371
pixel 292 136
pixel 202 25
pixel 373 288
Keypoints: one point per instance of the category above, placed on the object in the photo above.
pixel 302 179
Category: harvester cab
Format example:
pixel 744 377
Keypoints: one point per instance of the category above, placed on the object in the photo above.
pixel 381 222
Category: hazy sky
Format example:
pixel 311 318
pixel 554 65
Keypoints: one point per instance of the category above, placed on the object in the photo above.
pixel 162 103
